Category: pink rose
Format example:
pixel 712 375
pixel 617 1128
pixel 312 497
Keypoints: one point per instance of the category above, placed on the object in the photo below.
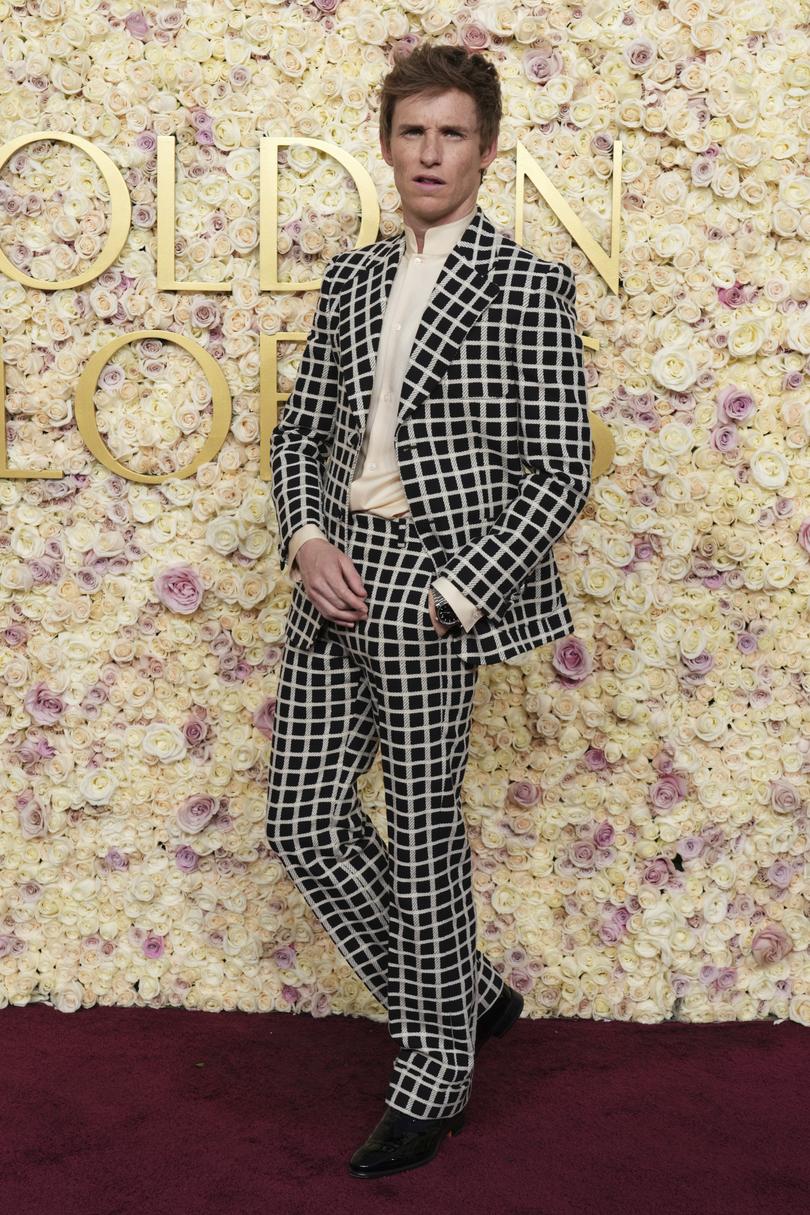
pixel 572 660
pixel 31 817
pixel 667 792
pixel 610 931
pixel 780 874
pixel 115 859
pixel 180 588
pixel 771 944
pixel 581 854
pixel 474 36
pixel 196 812
pixel 285 957
pixel 186 859
pixel 657 872
pixel 595 759
pixel 690 846
pixel 732 297
pixel 321 1005
pixel 639 54
pixel 542 65
pixel 521 980
pixel 734 404
pixel 264 717
pixel 153 946
pixel 785 797
pixel 604 834
pixel 44 706
pixel 195 731
pixel 725 438
pixel 701 663
pixel 137 26
pixel 523 793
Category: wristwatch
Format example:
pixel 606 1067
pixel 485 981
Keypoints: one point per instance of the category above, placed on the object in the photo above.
pixel 444 611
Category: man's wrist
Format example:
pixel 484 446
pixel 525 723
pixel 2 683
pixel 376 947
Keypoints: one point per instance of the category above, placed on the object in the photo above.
pixel 444 612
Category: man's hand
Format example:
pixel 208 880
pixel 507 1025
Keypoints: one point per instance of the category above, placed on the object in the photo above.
pixel 331 581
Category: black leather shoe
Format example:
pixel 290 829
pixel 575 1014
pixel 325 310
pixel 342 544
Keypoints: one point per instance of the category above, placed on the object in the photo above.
pixel 400 1141
pixel 498 1019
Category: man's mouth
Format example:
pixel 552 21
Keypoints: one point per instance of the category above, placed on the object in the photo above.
pixel 426 177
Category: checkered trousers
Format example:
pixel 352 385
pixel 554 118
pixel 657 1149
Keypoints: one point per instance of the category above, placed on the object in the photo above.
pixel 403 916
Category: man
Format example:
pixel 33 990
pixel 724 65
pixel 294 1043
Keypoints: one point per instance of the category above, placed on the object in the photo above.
pixel 435 446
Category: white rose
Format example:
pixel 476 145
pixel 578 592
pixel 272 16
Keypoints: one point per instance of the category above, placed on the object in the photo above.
pixel 769 468
pixel 618 550
pixel 675 438
pixel 97 787
pixel 164 742
pixel 745 336
pixel 598 581
pixel 143 888
pixel 714 907
pixel 797 332
pixel 67 998
pixel 27 542
pixel 222 535
pixel 779 574
pixel 255 543
pixel 674 367
pixel 744 149
pixel 710 726
pixel 671 240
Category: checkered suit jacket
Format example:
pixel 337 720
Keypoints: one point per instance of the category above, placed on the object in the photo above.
pixel 492 437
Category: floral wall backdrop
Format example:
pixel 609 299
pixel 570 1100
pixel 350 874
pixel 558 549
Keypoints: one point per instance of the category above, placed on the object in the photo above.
pixel 636 794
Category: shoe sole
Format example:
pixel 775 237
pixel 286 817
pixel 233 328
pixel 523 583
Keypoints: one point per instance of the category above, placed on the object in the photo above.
pixel 453 1129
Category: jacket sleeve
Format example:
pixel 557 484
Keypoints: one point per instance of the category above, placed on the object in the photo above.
pixel 301 438
pixel 556 446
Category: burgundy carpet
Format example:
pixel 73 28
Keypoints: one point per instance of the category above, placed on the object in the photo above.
pixel 138 1111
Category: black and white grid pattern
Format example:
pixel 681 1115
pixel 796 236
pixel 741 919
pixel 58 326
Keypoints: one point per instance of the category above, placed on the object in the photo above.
pixel 404 917
pixel 493 438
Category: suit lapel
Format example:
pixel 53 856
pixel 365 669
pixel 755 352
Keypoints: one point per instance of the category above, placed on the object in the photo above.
pixel 462 291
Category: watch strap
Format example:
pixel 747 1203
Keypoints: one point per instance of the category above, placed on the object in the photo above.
pixel 444 611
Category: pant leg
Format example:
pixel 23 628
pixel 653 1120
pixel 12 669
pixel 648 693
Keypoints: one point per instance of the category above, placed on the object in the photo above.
pixel 324 738
pixel 325 735
pixel 423 691
pixel 433 964
pixel 403 917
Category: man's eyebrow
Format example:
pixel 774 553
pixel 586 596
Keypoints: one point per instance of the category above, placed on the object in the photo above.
pixel 448 126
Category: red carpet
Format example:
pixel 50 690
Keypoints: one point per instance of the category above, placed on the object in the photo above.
pixel 138 1111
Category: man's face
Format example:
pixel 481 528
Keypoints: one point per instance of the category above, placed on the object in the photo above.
pixel 438 137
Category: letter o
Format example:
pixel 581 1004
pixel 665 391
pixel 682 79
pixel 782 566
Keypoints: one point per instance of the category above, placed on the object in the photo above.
pixel 86 414
pixel 119 200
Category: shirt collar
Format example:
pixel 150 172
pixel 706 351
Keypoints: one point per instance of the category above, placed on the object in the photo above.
pixel 438 239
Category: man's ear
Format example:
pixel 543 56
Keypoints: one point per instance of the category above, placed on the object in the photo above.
pixel 490 154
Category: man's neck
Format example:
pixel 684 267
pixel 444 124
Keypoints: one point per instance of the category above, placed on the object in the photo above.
pixel 419 234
